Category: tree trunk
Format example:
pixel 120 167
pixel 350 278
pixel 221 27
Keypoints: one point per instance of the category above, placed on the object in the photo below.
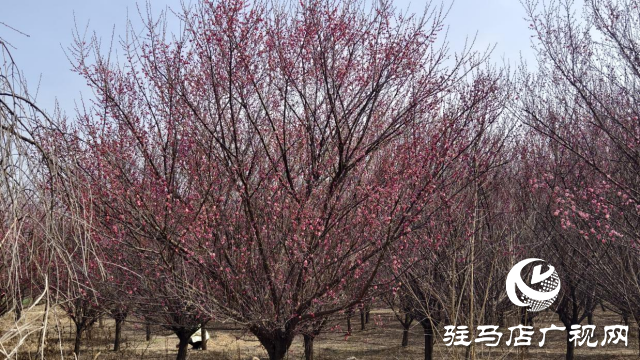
pixel 18 311
pixel 428 339
pixel 148 330
pixel 184 335
pixel 367 315
pixel 570 346
pixel 590 318
pixel 567 321
pixel 118 335
pixel 349 322
pixel 405 329
pixel 78 343
pixel 275 341
pixel 308 346
pixel 405 337
pixel 569 313
pixel 183 347
pixel 362 320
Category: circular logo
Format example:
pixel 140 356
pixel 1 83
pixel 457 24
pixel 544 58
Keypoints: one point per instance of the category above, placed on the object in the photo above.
pixel 542 290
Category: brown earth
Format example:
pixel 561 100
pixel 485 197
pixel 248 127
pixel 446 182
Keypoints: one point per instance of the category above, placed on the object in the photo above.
pixel 380 341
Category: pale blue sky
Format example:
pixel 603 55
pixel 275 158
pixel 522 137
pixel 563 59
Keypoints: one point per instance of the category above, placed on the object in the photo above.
pixel 49 25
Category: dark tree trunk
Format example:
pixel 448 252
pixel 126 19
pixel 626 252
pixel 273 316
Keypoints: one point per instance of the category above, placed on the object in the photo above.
pixel 308 346
pixel 568 319
pixel 183 346
pixel 428 339
pixel 362 320
pixel 405 337
pixel 18 311
pixel 570 313
pixel 276 342
pixel 570 347
pixel 78 342
pixel 309 338
pixel 148 330
pixel 590 318
pixel 405 329
pixel 118 335
pixel 349 322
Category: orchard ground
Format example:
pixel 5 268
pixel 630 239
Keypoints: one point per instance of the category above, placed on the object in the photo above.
pixel 380 341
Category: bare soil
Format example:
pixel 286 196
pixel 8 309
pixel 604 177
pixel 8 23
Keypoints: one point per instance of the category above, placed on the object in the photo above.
pixel 380 341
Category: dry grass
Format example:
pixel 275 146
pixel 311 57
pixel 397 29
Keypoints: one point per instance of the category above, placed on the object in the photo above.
pixel 381 341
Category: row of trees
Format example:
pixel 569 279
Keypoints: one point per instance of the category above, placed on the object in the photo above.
pixel 278 164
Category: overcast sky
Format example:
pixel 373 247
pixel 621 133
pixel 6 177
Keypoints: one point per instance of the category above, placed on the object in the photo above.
pixel 49 26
